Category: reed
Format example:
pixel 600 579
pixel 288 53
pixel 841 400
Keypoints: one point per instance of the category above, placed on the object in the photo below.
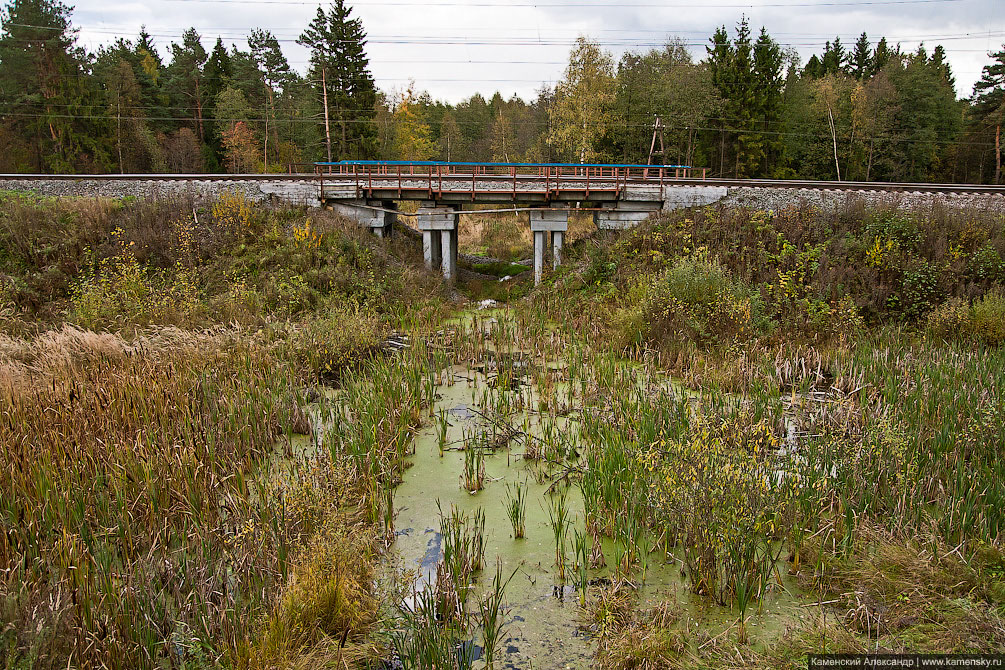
pixel 558 514
pixel 473 476
pixel 516 508
pixel 491 613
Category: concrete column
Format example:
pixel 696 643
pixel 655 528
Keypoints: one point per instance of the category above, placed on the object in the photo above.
pixel 548 226
pixel 454 245
pixel 449 248
pixel 439 235
pixel 556 245
pixel 538 256
pixel 431 248
pixel 386 219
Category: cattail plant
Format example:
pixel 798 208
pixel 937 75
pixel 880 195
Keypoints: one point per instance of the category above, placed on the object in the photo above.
pixel 558 513
pixel 516 507
pixel 491 613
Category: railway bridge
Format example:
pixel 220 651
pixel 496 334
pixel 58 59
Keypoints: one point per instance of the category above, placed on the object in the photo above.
pixel 620 196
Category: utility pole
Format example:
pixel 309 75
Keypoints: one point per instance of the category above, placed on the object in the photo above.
pixel 328 134
pixel 657 131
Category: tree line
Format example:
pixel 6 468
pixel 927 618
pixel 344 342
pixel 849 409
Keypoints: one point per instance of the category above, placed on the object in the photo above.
pixel 748 108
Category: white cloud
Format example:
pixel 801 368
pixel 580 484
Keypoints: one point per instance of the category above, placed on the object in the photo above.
pixel 453 48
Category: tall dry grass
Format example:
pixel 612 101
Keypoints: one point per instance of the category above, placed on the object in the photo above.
pixel 133 533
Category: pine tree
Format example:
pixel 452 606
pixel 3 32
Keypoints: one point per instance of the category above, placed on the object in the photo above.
pixel 49 103
pixel 340 71
pixel 276 76
pixel 860 63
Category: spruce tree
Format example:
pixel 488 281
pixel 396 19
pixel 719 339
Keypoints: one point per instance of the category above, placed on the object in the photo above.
pixel 720 63
pixel 218 70
pixel 989 105
pixel 881 56
pixel 814 68
pixel 340 71
pixel 860 63
pixel 186 81
pixel 834 57
pixel 768 104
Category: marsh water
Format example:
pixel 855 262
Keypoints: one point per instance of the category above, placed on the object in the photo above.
pixel 545 625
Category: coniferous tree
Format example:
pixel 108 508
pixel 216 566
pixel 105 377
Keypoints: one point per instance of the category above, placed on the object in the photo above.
pixel 276 76
pixel 814 68
pixel 720 63
pixel 340 71
pixel 989 105
pixel 881 56
pixel 186 81
pixel 50 104
pixel 768 86
pixel 834 57
pixel 217 75
pixel 860 63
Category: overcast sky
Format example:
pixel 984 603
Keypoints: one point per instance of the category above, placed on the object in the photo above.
pixel 453 48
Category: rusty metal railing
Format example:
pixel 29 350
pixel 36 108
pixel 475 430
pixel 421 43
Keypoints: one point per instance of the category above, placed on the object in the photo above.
pixel 522 178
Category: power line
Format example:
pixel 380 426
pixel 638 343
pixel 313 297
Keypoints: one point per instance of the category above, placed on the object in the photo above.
pixel 187 119
pixel 482 3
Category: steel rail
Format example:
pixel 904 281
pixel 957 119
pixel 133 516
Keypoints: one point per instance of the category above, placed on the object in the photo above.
pixel 810 185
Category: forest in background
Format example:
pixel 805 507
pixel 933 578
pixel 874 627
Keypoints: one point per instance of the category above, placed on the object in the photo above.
pixel 748 108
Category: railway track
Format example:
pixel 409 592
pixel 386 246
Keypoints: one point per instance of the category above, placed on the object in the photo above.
pixel 805 185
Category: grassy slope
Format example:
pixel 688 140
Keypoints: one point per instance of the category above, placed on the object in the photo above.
pixel 156 360
pixel 879 331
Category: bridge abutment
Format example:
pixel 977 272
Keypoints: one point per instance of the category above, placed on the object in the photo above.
pixel 625 214
pixel 548 227
pixel 370 213
pixel 439 237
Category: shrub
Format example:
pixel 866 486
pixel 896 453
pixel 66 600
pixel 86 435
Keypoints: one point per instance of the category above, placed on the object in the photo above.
pixel 987 319
pixel 895 226
pixel 330 342
pixel 694 300
pixel 984 321
pixel 949 320
pixel 919 291
pixel 986 264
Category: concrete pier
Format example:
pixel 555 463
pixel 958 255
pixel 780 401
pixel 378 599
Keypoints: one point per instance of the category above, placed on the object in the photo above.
pixel 549 227
pixel 438 224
